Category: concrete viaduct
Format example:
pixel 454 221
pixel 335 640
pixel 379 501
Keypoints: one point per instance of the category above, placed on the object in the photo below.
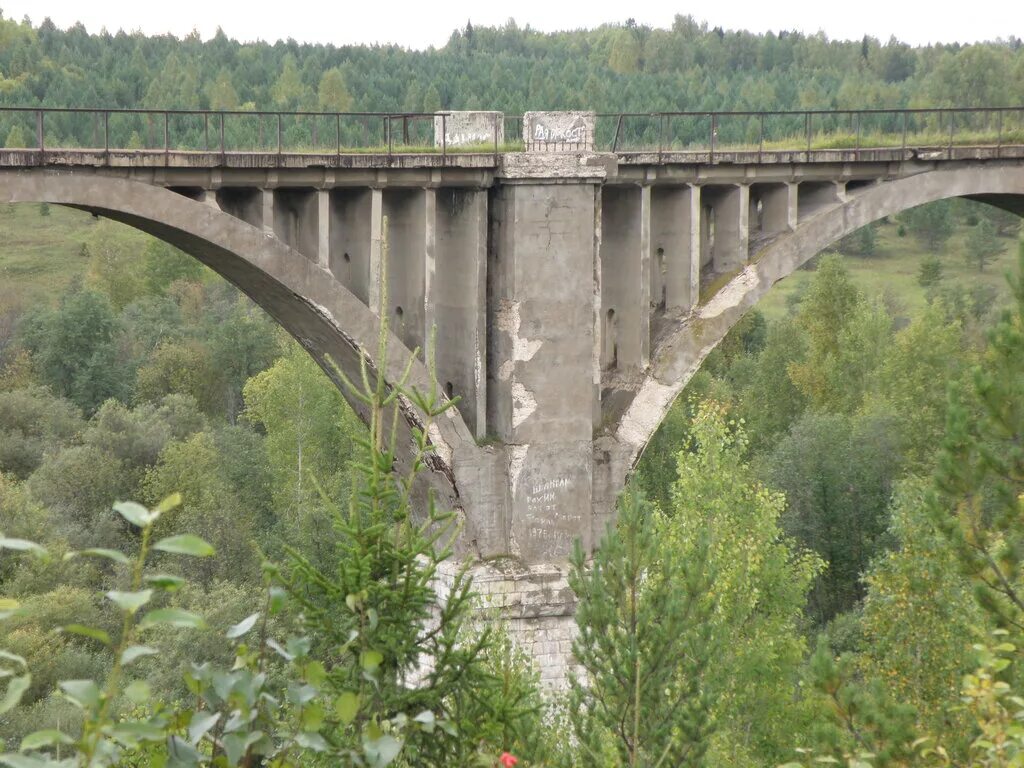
pixel 573 291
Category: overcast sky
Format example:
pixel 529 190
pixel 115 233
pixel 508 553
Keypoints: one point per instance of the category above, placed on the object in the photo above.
pixel 430 22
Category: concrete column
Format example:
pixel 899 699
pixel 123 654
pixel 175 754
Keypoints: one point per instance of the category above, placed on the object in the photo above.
pixel 816 196
pixel 456 297
pixel 243 203
pixel 406 212
pixel 731 207
pixel 540 358
pixel 429 268
pixel 645 276
pixel 675 246
pixel 350 237
pixel 778 208
pixel 625 276
pixel 323 218
pixel 296 221
pixel 374 254
pixel 267 215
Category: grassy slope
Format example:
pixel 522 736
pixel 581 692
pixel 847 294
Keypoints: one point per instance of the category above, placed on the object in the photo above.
pixel 892 271
pixel 40 255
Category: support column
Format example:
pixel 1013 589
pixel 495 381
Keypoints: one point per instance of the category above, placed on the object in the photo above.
pixel 625 277
pixel 540 396
pixel 376 236
pixel 456 297
pixel 323 219
pixel 645 276
pixel 675 244
pixel 731 211
pixel 267 216
pixel 406 212
pixel 351 232
pixel 778 208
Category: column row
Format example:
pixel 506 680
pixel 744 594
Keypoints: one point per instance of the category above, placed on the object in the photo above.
pixel 658 243
pixel 436 264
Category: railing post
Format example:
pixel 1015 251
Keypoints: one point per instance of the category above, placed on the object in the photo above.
pixel 807 119
pixel 222 136
pixel 949 152
pixel 206 130
pixel 760 139
pixel 856 151
pixel 278 138
pixel 618 129
pixel 388 131
pixel 495 138
pixel 106 135
pixel 999 136
pixel 661 135
pixel 904 145
pixel 39 132
pixel 714 135
pixel 444 139
pixel 337 131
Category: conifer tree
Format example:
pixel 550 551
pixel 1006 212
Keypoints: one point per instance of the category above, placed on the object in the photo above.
pixel 643 647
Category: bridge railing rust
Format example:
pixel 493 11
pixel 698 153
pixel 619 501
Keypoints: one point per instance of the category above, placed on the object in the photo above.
pixel 702 136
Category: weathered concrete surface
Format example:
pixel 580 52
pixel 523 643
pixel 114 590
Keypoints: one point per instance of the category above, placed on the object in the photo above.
pixel 564 289
pixel 559 131
pixel 461 129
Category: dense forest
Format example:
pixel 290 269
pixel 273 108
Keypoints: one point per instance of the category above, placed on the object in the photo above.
pixel 822 540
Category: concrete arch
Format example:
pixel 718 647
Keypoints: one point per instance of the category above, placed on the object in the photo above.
pixel 328 320
pixel 682 349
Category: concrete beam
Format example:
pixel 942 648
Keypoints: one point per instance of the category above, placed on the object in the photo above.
pixel 675 245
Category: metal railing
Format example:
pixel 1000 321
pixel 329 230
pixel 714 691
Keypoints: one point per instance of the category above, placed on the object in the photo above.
pixel 231 131
pixel 716 133
pixel 707 135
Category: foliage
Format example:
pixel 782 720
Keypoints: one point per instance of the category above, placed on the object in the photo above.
pixel 643 648
pixel 760 587
pixel 983 244
pixel 931 224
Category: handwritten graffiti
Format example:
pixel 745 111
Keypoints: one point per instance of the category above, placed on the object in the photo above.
pixel 572 134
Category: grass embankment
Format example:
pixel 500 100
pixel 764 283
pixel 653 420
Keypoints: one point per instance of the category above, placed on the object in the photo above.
pixel 40 255
pixel 893 269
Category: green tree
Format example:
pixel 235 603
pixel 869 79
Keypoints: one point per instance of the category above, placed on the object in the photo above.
pixel 920 617
pixel 929 274
pixel 982 245
pixel 760 587
pixel 837 474
pixel 333 95
pixel 644 646
pixel 163 264
pixel 220 93
pixel 625 54
pixel 310 438
pixel 931 224
pixel 75 351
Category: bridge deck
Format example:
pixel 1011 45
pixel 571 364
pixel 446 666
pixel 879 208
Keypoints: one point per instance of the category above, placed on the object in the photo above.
pixel 151 158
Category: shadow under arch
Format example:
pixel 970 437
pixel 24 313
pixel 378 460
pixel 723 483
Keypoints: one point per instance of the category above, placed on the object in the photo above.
pixel 329 321
pixel 683 347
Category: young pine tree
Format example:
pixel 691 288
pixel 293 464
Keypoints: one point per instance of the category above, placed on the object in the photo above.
pixel 643 647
